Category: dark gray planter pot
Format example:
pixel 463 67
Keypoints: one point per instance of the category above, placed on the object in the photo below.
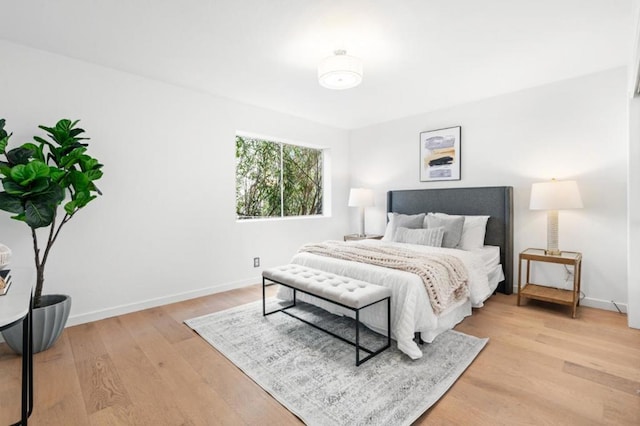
pixel 48 322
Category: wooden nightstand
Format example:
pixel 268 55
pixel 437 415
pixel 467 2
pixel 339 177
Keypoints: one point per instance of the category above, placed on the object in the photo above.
pixel 356 237
pixel 550 294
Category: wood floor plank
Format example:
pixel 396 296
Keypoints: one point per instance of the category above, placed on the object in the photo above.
pixel 150 404
pixel 203 405
pixel 100 381
pixel 10 382
pixel 632 387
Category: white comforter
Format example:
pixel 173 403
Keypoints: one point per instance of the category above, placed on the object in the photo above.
pixel 410 307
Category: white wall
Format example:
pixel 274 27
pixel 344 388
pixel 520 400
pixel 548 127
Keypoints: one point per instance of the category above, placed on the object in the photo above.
pixel 165 228
pixel 575 129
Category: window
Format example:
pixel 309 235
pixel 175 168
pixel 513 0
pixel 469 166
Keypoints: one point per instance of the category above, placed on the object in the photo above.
pixel 275 179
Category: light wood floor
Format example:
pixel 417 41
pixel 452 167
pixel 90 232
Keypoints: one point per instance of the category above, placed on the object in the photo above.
pixel 147 368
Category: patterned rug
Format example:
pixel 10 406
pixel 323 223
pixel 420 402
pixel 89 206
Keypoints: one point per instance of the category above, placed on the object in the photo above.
pixel 314 375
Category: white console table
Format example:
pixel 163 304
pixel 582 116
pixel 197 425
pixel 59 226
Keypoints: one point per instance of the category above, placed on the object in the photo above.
pixel 16 306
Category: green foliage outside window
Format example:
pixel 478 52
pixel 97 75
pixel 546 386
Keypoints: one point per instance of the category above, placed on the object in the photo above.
pixel 274 179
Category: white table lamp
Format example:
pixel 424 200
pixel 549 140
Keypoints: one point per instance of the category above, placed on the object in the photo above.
pixel 361 197
pixel 553 196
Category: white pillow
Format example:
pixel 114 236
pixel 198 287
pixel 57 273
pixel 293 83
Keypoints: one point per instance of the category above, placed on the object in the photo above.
pixel 473 231
pixel 396 220
pixel 426 237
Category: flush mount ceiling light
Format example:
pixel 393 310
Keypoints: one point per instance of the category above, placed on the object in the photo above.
pixel 340 71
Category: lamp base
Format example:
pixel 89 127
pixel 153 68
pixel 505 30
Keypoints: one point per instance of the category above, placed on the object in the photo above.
pixel 552 234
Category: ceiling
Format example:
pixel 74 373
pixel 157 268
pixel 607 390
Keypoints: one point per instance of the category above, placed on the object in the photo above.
pixel 419 55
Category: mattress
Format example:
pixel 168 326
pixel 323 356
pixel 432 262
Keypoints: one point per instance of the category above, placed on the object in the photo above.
pixel 495 274
pixel 410 306
pixel 490 255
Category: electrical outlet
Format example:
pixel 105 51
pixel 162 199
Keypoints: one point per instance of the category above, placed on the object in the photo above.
pixel 256 262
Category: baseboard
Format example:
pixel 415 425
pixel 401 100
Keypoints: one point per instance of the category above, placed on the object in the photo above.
pixel 152 303
pixel 607 305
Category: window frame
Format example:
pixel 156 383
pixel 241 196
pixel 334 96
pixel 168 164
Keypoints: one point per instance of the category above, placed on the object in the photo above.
pixel 326 177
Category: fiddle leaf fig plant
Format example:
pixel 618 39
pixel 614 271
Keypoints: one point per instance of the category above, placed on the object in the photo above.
pixel 39 176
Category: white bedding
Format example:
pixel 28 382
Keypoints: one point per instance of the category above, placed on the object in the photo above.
pixel 410 307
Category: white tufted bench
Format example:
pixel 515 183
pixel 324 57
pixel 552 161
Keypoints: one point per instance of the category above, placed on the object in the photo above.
pixel 343 291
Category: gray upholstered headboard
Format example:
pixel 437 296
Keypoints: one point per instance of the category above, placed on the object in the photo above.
pixel 496 201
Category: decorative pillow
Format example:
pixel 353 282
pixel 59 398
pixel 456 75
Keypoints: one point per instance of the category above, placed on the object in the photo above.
pixel 426 237
pixel 452 228
pixel 396 220
pixel 473 231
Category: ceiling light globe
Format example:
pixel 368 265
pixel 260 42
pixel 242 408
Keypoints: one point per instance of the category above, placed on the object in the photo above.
pixel 340 71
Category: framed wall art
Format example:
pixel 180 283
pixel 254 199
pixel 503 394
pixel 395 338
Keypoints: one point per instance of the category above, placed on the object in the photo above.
pixel 440 154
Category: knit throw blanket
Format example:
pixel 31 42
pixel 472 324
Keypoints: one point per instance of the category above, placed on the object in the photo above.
pixel 444 276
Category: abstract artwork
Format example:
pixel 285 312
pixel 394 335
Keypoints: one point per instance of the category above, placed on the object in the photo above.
pixel 440 154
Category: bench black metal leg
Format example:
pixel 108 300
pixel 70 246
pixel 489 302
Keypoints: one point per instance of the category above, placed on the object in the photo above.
pixel 264 300
pixel 358 337
pixel 388 322
pixel 357 344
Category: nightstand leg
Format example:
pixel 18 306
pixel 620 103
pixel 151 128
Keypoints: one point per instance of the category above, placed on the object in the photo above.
pixel 519 279
pixel 577 270
pixel 579 280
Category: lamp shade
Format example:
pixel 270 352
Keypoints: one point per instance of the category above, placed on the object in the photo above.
pixel 555 195
pixel 340 71
pixel 360 197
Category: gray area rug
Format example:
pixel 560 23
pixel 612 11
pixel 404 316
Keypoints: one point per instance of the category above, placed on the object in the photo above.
pixel 314 375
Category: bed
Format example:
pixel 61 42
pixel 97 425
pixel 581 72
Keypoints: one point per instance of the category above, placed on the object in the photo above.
pixel 411 310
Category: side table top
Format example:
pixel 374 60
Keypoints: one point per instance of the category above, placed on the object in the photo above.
pixel 564 255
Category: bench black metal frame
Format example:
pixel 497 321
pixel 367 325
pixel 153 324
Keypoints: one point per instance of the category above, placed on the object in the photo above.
pixel 357 344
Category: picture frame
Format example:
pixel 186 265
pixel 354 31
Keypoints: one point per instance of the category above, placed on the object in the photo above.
pixel 440 154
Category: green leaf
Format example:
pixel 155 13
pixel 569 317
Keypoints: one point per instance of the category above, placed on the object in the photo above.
pixel 41 209
pixel 39 214
pixel 83 198
pixel 39 168
pixel 88 163
pixel 94 174
pixel 19 155
pixel 19 173
pixel 5 169
pixel 21 217
pixel 93 187
pixel 70 207
pixel 56 174
pixel 24 174
pixel 4 141
pixel 64 125
pixel 43 143
pixel 10 203
pixel 79 181
pixel 36 150
pixel 13 188
pixel 72 157
pixel 39 185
